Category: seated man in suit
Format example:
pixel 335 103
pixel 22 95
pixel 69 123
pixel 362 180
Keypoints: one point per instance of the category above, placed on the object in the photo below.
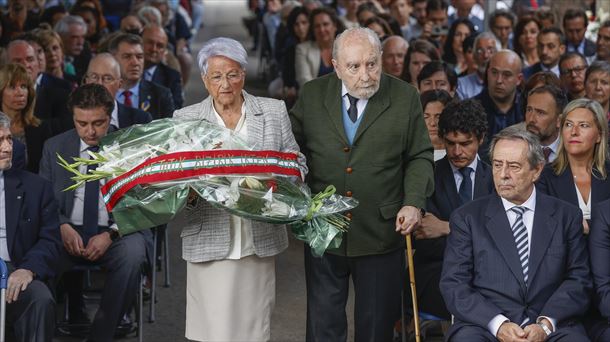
pixel 85 223
pixel 135 91
pixel 154 41
pixel 105 70
pixel 29 243
pixel 543 117
pixel 459 177
pixel 516 266
pixel 551 45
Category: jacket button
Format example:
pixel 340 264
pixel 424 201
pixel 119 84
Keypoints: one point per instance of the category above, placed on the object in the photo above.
pixel 346 149
pixel 349 170
pixel 348 194
pixel 348 215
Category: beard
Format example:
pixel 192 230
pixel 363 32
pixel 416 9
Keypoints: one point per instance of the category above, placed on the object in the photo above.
pixel 364 93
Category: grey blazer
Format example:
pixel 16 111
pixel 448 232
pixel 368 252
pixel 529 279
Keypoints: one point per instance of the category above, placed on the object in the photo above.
pixel 306 62
pixel 206 235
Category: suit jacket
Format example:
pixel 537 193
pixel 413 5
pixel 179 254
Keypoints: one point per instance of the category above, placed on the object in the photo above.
pixel 130 116
pixel 306 62
pixel 562 186
pixel 34 139
pixel 428 258
pixel 32 226
pixel 156 100
pixel 172 80
pixel 599 250
pixel 207 235
pixel 482 275
pixel 51 107
pixel 389 165
pixel 530 70
pixel 590 48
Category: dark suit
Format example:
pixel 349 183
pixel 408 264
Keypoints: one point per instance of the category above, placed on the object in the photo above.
pixel 34 244
pixel 156 100
pixel 530 70
pixel 388 165
pixel 170 79
pixel 130 116
pixel 562 186
pixel 482 275
pixel 124 257
pixel 599 249
pixel 428 258
pixel 50 106
pixel 590 48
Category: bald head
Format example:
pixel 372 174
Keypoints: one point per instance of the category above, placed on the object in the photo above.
pixel 21 52
pixel 105 70
pixel 154 43
pixel 394 51
pixel 503 76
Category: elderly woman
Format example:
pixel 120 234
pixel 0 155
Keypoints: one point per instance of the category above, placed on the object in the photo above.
pixel 17 102
pixel 579 174
pixel 230 260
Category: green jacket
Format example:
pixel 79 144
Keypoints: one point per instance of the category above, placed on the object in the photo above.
pixel 389 165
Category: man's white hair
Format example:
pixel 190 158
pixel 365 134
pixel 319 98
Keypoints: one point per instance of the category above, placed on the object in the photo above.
pixel 356 32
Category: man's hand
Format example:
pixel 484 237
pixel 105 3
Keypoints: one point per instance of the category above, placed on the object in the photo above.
pixel 510 332
pixel 431 227
pixel 18 281
pixel 407 219
pixel 73 243
pixel 535 333
pixel 97 246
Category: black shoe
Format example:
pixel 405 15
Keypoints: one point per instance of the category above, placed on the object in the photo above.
pixel 125 327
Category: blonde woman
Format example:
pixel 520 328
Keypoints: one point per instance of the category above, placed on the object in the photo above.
pixel 579 175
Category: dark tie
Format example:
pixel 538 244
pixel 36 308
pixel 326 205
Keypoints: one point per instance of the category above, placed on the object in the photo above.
pixel 353 109
pixel 547 152
pixel 465 191
pixel 127 96
pixel 90 208
pixel 521 240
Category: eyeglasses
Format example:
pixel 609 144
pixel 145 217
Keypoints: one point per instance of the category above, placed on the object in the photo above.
pixel 489 50
pixel 95 78
pixel 576 70
pixel 232 77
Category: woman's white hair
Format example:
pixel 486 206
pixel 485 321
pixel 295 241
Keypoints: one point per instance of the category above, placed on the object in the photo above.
pixel 226 47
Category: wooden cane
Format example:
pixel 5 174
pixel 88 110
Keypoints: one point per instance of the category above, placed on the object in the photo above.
pixel 412 283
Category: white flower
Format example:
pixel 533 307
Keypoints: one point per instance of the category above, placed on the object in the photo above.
pixel 278 209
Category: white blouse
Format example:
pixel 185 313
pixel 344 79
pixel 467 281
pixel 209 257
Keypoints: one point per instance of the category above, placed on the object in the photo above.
pixel 585 207
pixel 242 243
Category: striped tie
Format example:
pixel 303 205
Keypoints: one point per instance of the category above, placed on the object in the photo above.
pixel 521 239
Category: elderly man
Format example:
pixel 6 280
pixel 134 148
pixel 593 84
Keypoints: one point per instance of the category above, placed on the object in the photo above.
pixel 459 177
pixel 364 133
pixel 85 224
pixel 516 266
pixel 154 41
pixel 72 29
pixel 499 97
pixel 105 70
pixel 603 42
pixel 29 243
pixel 485 45
pixel 136 92
pixel 543 117
pixel 393 57
pixel 550 46
pixel 572 68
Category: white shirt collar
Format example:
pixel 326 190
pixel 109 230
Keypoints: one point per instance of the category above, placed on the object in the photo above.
pixel 554 145
pixel 530 204
pixel 554 69
pixel 39 79
pixel 472 165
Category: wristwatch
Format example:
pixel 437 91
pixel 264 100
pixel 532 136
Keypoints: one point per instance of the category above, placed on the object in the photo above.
pixel 546 329
pixel 114 234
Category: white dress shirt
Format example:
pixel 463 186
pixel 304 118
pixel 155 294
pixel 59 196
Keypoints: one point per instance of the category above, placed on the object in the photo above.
pixel 3 238
pixel 528 220
pixel 554 146
pixel 360 105
pixel 457 176
pixel 114 117
pixel 585 207
pixel 76 217
pixel 242 242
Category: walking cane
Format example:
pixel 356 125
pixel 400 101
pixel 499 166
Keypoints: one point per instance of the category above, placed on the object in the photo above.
pixel 3 283
pixel 412 282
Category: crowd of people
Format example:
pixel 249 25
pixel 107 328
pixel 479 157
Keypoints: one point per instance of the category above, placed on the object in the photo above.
pixel 489 145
